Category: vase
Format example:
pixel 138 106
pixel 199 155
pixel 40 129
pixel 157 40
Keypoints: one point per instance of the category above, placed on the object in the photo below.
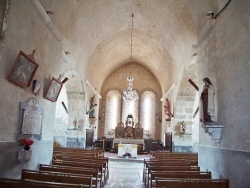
pixel 24 155
pixel 27 147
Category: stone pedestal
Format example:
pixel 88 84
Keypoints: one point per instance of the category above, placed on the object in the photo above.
pixel 214 130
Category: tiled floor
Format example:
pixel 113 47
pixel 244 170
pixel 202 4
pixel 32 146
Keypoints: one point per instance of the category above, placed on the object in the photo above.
pixel 125 173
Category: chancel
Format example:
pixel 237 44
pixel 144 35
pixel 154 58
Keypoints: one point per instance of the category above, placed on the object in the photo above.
pixel 148 90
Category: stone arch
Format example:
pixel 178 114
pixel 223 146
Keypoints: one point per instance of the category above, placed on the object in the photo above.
pixel 61 118
pixel 76 101
pixel 186 105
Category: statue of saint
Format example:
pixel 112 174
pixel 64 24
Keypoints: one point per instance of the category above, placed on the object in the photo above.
pixel 92 105
pixel 75 122
pixel 183 127
pixel 167 110
pixel 207 113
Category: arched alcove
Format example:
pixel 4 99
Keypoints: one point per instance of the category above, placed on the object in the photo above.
pixel 61 118
pixel 187 101
pixel 74 99
pixel 144 80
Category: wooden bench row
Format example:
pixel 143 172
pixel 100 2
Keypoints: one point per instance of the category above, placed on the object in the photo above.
pixel 159 154
pixel 45 176
pixel 177 174
pixel 147 176
pixel 100 165
pixel 60 150
pixel 75 171
pixel 84 159
pixel 177 170
pixel 70 167
pixel 17 183
pixel 194 183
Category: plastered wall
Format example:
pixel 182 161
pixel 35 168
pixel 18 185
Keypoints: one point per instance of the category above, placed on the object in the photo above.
pixel 223 56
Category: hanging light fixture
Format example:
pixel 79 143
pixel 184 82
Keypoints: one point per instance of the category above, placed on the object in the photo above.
pixel 129 94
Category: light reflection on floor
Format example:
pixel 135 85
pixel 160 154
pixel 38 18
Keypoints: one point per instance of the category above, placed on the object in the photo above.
pixel 125 173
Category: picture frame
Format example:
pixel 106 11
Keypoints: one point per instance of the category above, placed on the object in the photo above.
pixel 23 70
pixel 53 90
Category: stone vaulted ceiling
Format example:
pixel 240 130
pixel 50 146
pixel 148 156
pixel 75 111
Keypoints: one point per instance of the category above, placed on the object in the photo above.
pixel 97 34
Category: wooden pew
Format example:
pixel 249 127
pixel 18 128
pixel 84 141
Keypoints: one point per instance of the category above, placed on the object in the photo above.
pixel 41 176
pixel 79 171
pixel 187 183
pixel 99 166
pixel 177 174
pixel 103 160
pixel 154 154
pixel 63 155
pixel 167 168
pixel 59 150
pixel 17 183
pixel 164 163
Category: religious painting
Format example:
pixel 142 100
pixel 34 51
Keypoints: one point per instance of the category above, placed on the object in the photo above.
pixel 53 90
pixel 23 70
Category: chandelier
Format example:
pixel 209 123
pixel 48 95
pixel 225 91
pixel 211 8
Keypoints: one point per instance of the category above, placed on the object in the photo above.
pixel 129 94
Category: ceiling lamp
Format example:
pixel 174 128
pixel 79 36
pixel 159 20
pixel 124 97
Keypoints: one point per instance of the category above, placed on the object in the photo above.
pixel 129 94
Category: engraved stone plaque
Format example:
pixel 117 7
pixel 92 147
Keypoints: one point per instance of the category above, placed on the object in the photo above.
pixel 32 116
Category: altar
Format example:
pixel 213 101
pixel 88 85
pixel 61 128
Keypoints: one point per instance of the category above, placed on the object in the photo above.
pixel 139 142
pixel 129 135
pixel 129 150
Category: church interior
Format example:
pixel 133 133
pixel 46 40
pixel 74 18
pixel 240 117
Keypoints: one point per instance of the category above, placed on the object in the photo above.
pixel 127 81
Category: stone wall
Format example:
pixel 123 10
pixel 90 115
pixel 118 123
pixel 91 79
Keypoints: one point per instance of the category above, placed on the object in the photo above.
pixel 10 166
pixel 223 56
pixel 27 32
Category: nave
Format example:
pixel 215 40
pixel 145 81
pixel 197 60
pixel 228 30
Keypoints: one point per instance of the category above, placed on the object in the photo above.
pixel 91 168
pixel 125 174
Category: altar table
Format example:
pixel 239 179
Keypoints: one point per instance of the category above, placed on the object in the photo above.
pixel 127 148
pixel 128 141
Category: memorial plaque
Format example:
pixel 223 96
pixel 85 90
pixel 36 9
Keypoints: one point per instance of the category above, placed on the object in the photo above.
pixel 32 115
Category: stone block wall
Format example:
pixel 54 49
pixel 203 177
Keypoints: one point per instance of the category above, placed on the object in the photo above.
pixel 10 166
pixel 223 56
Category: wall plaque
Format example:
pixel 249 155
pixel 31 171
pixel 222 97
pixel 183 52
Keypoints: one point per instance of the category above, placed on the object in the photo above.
pixel 32 116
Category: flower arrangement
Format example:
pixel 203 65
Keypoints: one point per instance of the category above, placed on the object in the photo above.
pixel 127 154
pixel 26 143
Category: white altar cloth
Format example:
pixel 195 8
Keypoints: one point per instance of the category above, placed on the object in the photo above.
pixel 128 141
pixel 127 148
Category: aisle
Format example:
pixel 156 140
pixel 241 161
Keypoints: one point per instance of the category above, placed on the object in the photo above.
pixel 124 174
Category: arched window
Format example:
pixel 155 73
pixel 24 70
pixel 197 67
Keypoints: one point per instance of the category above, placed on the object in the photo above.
pixel 131 108
pixel 147 112
pixel 112 112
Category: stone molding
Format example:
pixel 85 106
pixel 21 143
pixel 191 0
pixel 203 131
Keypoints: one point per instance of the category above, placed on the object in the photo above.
pixel 214 129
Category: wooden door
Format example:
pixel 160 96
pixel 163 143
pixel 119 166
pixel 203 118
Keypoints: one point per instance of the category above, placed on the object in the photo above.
pixel 168 141
pixel 89 138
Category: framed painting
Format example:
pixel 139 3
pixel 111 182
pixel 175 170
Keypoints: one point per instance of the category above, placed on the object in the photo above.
pixel 23 70
pixel 53 90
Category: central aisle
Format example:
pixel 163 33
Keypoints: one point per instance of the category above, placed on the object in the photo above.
pixel 125 174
